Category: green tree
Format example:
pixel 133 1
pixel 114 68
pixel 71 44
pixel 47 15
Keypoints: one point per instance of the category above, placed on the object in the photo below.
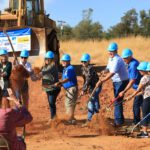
pixel 130 22
pixel 86 29
pixel 66 33
pixel 127 26
pixel 145 23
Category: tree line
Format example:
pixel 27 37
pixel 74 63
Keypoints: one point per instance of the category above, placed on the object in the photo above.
pixel 131 24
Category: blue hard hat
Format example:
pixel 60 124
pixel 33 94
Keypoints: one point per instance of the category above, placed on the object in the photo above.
pixel 148 67
pixel 24 53
pixel 49 54
pixel 86 57
pixel 142 66
pixel 66 57
pixel 127 53
pixel 3 52
pixel 112 47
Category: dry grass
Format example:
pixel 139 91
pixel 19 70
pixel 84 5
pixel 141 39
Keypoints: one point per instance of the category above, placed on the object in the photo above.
pixel 98 49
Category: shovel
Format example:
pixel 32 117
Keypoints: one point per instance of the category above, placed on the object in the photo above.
pixel 4 31
pixel 92 94
pixel 139 123
pixel 108 108
pixel 123 101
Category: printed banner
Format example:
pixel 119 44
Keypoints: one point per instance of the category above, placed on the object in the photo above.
pixel 20 38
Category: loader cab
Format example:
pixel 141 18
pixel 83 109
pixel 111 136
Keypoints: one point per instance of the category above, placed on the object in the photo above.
pixel 34 10
pixel 14 5
pixel 28 11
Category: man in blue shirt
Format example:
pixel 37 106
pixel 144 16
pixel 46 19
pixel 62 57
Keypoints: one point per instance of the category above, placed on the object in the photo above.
pixel 134 80
pixel 117 71
pixel 69 82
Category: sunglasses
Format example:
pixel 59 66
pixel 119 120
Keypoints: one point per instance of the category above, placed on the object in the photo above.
pixel 47 59
pixel 24 57
pixel 84 61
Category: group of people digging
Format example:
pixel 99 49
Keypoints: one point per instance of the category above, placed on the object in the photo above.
pixel 126 72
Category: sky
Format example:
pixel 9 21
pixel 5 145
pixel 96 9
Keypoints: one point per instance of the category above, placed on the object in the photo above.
pixel 107 12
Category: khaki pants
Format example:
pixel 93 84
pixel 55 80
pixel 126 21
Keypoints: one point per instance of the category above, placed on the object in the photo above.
pixel 71 98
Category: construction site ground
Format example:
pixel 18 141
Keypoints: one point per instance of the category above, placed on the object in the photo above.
pixel 99 135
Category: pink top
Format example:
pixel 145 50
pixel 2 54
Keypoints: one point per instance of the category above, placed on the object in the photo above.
pixel 9 120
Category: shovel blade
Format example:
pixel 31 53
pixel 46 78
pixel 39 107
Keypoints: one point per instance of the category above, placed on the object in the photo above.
pixel 108 109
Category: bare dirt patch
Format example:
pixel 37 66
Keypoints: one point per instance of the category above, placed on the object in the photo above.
pixel 99 135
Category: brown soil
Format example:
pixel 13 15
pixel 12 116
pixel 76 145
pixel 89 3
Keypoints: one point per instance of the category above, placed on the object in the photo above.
pixel 98 135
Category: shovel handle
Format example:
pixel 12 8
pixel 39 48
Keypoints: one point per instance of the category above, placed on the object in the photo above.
pixel 140 122
pixel 113 100
pixel 93 92
pixel 4 31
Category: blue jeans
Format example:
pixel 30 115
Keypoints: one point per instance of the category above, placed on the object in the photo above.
pixel 146 111
pixel 137 104
pixel 118 107
pixel 52 96
pixel 93 104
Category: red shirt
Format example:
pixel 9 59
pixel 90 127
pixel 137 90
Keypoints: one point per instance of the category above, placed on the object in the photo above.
pixel 9 120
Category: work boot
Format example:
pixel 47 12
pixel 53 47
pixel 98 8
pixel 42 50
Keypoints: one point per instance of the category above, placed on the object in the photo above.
pixel 71 122
pixel 136 129
pixel 116 125
pixel 86 124
pixel 143 135
pixel 49 122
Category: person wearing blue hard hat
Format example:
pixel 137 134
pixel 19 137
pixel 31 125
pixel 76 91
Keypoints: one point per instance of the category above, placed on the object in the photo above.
pixel 69 82
pixel 24 54
pixel 134 80
pixel 148 68
pixel 117 71
pixel 112 47
pixel 49 55
pixel 49 75
pixel 144 87
pixel 5 72
pixel 90 77
pixel 24 94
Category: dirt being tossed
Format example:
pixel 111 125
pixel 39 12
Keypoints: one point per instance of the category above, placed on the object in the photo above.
pixel 105 127
pixel 98 126
pixel 18 75
pixel 36 70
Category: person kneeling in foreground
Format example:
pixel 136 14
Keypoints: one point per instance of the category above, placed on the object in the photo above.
pixel 69 82
pixel 144 87
pixel 11 118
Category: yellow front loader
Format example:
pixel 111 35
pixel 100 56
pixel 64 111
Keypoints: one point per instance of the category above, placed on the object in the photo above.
pixel 28 15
